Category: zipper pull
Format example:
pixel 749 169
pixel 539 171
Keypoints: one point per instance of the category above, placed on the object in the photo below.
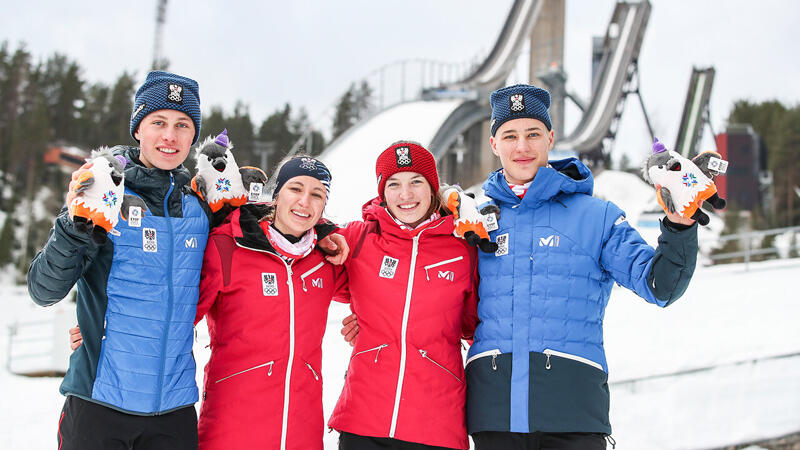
pixel 611 441
pixel 494 361
pixel 269 372
pixel 312 371
pixel 547 364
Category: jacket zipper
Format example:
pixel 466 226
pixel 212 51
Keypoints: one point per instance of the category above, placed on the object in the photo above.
pixel 378 348
pixel 441 263
pixel 285 419
pixel 580 359
pixel 424 354
pixel 169 299
pixel 269 372
pixel 404 329
pixel 313 269
pixel 316 377
pixel 493 353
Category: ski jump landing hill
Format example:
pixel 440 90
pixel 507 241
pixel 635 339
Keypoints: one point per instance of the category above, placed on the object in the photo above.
pixel 438 120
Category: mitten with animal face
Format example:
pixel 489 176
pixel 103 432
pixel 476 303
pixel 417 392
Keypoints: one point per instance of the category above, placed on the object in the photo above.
pixel 682 185
pixel 100 195
pixel 218 181
pixel 470 223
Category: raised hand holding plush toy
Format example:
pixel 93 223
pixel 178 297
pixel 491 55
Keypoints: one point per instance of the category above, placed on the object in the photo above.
pixel 682 185
pixel 218 181
pixel 470 223
pixel 98 196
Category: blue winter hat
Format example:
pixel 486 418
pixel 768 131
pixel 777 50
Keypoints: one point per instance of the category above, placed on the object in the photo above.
pixel 518 102
pixel 164 90
pixel 302 165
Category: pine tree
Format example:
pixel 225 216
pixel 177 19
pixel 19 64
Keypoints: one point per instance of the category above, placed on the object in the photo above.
pixel 6 240
pixel 345 113
pixel 116 122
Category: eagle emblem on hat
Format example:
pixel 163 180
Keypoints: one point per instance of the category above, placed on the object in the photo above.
pixel 517 103
pixel 403 155
pixel 308 163
pixel 175 93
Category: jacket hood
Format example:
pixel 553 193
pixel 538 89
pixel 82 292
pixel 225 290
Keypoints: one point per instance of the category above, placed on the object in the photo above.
pixel 244 225
pixel 374 211
pixel 565 176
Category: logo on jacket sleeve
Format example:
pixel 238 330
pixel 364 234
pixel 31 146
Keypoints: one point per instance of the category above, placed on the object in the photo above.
pixel 149 240
pixel 388 267
pixel 549 241
pixel 269 284
pixel 502 244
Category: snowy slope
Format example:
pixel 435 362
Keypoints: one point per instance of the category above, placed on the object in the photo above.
pixel 352 158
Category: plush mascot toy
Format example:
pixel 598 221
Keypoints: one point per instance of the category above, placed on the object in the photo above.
pixel 471 224
pixel 218 181
pixel 100 195
pixel 682 185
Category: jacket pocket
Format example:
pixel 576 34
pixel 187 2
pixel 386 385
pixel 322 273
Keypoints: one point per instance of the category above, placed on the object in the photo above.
pixel 424 354
pixel 548 353
pixel 493 353
pixel 266 364
pixel 308 273
pixel 376 350
pixel 440 263
pixel 314 373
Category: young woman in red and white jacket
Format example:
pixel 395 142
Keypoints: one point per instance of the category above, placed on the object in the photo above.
pixel 265 291
pixel 413 287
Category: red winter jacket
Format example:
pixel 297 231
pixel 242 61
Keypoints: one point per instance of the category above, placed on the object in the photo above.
pixel 266 319
pixel 406 375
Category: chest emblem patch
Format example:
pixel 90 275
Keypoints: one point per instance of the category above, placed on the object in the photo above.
pixel 388 267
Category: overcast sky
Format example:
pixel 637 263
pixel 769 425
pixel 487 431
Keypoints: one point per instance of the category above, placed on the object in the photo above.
pixel 267 53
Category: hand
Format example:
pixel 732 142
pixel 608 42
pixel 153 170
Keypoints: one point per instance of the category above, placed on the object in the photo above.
pixel 350 329
pixel 335 247
pixel 75 338
pixel 677 218
pixel 80 181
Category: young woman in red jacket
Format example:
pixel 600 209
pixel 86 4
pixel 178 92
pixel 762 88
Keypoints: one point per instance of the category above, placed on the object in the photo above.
pixel 413 287
pixel 265 291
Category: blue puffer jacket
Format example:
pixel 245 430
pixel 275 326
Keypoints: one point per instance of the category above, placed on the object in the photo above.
pixel 136 303
pixel 537 363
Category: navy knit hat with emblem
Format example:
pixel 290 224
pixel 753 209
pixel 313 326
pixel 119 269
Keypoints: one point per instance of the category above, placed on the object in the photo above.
pixel 518 102
pixel 406 156
pixel 164 90
pixel 302 165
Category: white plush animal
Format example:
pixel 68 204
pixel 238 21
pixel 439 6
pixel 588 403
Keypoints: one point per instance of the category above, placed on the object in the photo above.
pixel 100 194
pixel 218 180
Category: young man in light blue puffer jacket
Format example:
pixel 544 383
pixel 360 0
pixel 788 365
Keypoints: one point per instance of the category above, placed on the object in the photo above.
pixel 537 374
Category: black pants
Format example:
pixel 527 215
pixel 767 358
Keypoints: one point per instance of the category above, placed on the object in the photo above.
pixel 350 441
pixel 501 440
pixel 85 425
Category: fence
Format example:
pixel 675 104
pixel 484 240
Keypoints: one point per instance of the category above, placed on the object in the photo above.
pixel 749 250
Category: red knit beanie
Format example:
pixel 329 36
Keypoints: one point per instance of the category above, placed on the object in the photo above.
pixel 406 156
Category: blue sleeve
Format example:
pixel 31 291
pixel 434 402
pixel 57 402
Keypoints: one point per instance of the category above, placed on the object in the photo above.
pixel 60 263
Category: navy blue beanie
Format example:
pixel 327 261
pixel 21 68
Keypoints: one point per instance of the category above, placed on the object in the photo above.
pixel 164 90
pixel 302 165
pixel 518 102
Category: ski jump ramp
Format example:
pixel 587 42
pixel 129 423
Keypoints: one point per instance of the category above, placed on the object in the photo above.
pixel 437 122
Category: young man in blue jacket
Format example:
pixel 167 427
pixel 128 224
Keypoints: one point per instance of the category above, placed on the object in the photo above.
pixel 132 382
pixel 536 373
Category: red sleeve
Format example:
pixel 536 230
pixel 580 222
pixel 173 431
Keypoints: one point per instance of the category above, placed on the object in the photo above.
pixel 341 292
pixel 211 279
pixel 469 317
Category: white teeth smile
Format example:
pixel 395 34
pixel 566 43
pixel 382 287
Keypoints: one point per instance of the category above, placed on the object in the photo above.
pixel 303 215
pixel 167 150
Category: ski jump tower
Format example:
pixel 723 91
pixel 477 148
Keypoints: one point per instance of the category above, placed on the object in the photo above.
pixel 453 120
